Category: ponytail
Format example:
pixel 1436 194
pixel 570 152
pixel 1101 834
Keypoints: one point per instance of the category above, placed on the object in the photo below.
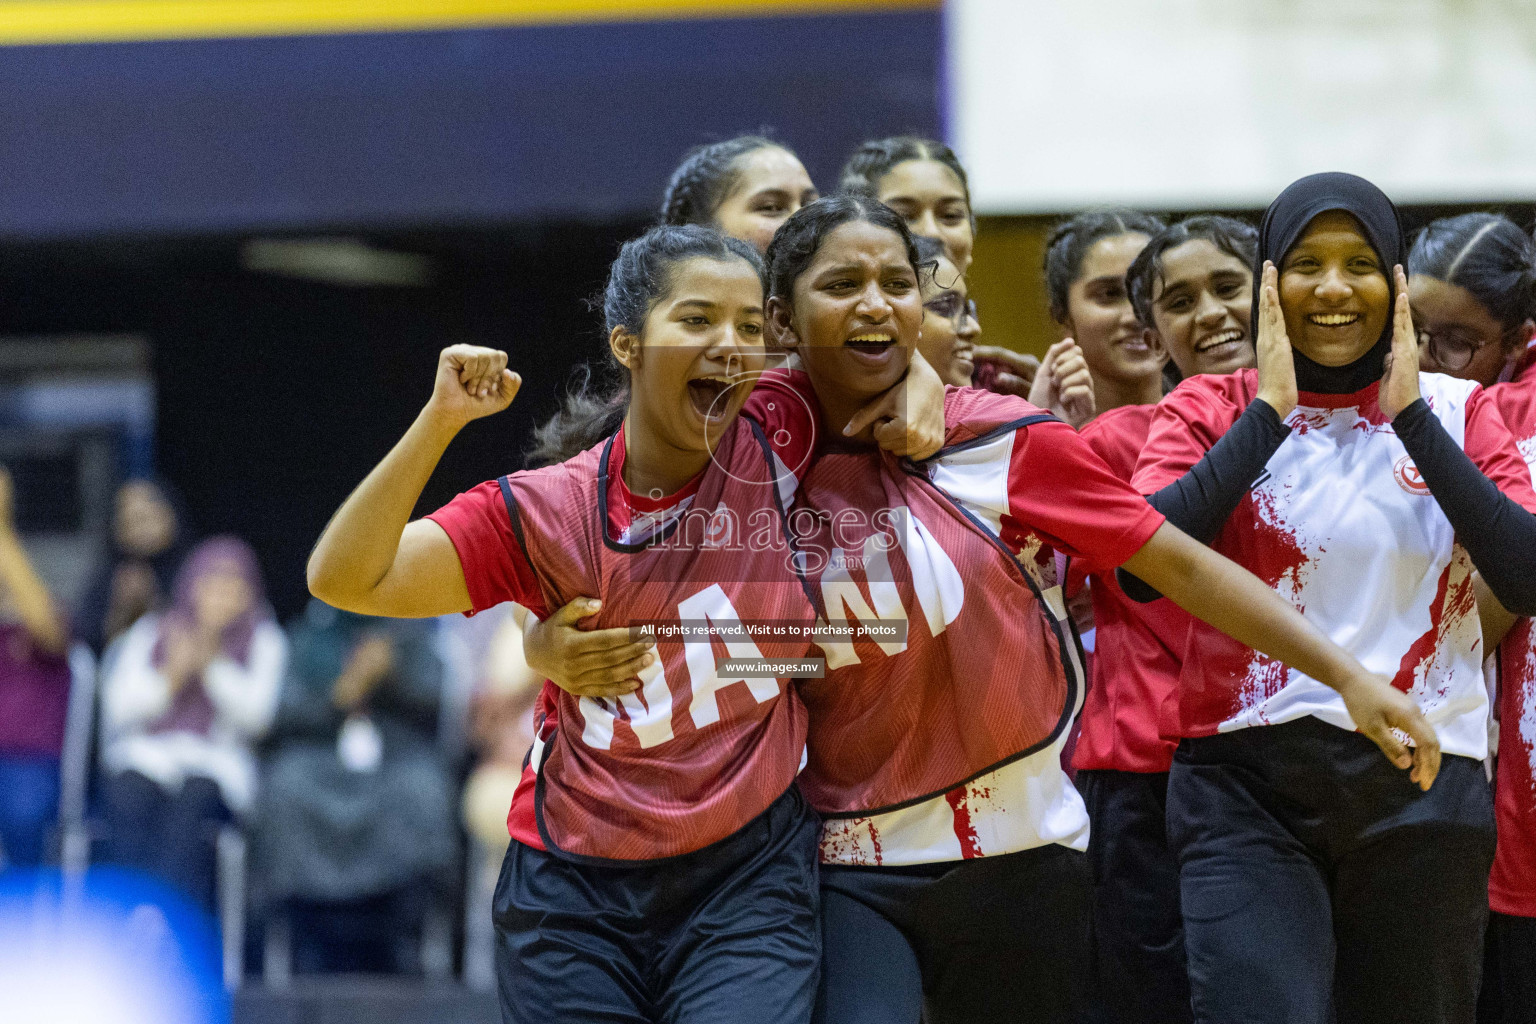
pixel 590 412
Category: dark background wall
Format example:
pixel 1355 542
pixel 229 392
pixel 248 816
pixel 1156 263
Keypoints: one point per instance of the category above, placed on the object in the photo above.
pixel 276 395
pixel 452 128
pixel 516 161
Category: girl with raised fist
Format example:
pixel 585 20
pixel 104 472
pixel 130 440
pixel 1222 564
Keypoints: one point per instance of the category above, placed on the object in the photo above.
pixel 659 842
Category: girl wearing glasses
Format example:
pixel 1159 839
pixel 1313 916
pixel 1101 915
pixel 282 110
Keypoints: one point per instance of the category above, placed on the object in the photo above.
pixel 950 327
pixel 1473 290
pixel 1472 285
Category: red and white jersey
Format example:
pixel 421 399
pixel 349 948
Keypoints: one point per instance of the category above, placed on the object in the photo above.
pixel 694 755
pixel 988 673
pixel 1341 525
pixel 1138 648
pixel 1512 886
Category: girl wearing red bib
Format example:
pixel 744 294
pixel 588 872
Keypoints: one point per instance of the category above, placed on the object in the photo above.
pixel 660 844
pixel 1366 500
pixel 1472 286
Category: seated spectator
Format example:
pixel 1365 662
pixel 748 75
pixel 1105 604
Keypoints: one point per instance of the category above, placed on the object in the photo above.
pixel 356 826
pixel 136 576
pixel 501 731
pixel 34 696
pixel 185 696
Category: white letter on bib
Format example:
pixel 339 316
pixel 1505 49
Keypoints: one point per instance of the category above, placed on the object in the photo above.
pixel 711 604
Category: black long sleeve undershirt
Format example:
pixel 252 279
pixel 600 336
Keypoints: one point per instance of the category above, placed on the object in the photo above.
pixel 1498 534
pixel 1202 500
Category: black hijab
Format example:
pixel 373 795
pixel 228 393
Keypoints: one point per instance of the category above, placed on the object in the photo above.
pixel 1284 223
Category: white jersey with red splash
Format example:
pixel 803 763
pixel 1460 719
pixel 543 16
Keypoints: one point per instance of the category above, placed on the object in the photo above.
pixel 1026 804
pixel 1342 526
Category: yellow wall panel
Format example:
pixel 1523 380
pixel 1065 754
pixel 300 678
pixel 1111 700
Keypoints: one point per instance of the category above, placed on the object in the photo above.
pixel 1007 283
pixel 25 22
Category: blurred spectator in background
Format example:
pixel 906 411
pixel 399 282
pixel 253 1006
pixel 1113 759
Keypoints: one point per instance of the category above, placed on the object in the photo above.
pixel 356 822
pixel 34 696
pixel 185 695
pixel 136 575
pixel 501 731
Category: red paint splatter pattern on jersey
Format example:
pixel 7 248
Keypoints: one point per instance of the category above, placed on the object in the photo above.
pixel 1512 884
pixel 965 829
pixel 1283 565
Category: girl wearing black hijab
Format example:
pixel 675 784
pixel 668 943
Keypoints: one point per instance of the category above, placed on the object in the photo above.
pixel 1318 883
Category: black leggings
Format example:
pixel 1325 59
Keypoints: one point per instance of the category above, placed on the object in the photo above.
pixel 168 834
pixel 998 939
pixel 1509 972
pixel 1319 883
pixel 1138 971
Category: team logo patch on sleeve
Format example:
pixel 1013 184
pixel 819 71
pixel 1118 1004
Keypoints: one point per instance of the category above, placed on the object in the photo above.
pixel 1408 476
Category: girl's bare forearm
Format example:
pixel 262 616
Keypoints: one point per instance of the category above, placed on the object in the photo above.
pixel 358 546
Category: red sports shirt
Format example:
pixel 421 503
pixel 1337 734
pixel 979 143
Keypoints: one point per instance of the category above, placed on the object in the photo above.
pixel 693 756
pixel 1512 886
pixel 1137 647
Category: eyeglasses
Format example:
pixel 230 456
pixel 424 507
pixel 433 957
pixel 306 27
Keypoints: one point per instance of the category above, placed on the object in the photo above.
pixel 950 306
pixel 1453 349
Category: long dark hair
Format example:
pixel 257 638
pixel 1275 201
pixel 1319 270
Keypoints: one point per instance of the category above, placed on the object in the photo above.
pixel 1072 239
pixel 873 160
pixel 1488 256
pixel 640 277
pixel 707 175
pixel 799 238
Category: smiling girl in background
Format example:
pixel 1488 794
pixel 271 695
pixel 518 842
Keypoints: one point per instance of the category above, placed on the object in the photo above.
pixel 1193 285
pixel 1085 264
pixel 743 187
